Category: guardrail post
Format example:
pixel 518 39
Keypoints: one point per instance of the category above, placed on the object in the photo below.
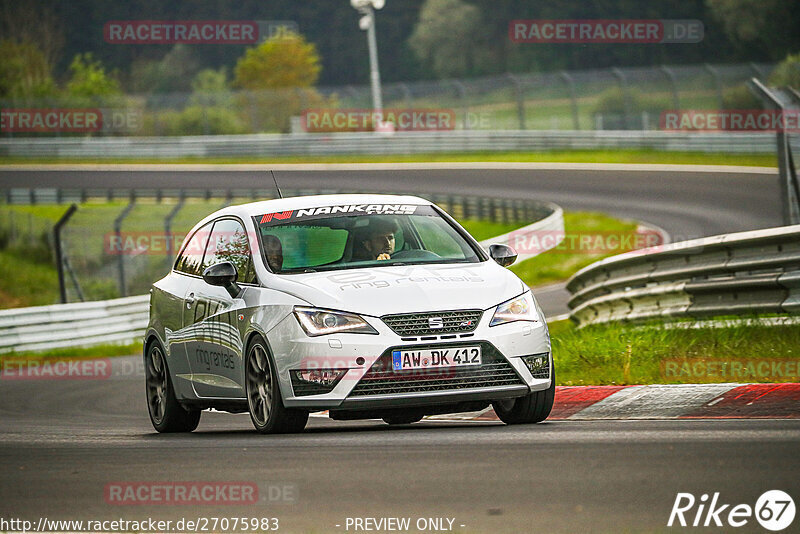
pixel 123 284
pixel 573 98
pixel 60 251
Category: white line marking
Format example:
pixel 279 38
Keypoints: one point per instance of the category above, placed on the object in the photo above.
pixel 456 165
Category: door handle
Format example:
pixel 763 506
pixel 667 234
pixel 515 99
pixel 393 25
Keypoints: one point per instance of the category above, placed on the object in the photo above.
pixel 189 301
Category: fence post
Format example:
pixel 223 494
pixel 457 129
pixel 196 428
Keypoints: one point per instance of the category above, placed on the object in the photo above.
pixel 60 251
pixel 168 228
pixel 407 96
pixel 790 187
pixel 462 95
pixel 761 73
pixel 623 85
pixel 717 83
pixel 573 97
pixel 673 82
pixel 520 94
pixel 123 285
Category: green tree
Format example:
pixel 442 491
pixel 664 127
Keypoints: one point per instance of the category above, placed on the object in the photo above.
pixel 210 87
pixel 172 73
pixel 24 71
pixel 283 61
pixel 787 73
pixel 445 37
pixel 89 78
pixel 770 25
pixel 278 78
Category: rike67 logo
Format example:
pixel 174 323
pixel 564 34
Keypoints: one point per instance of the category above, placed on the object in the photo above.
pixel 774 510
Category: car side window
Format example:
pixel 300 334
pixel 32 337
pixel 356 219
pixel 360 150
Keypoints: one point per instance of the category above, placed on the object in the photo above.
pixel 190 259
pixel 229 242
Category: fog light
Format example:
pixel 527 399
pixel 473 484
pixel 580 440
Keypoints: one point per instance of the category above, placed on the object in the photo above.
pixel 322 377
pixel 315 381
pixel 537 362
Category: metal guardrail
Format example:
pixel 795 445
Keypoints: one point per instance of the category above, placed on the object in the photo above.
pixel 81 324
pixel 742 274
pixel 124 320
pixel 381 143
pixel 553 225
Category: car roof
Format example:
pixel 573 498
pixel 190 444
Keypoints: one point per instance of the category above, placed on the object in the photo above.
pixel 253 209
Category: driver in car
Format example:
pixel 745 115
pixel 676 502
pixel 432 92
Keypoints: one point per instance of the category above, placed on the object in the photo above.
pixel 274 252
pixel 377 241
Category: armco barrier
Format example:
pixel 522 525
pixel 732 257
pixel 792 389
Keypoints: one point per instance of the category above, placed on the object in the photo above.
pixel 380 143
pixel 124 320
pixel 81 324
pixel 742 274
pixel 553 224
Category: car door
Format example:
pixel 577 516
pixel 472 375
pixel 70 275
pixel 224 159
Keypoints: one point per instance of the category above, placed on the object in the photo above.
pixel 215 319
pixel 183 277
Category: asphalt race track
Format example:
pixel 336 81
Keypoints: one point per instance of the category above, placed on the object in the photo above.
pixel 62 442
pixel 687 204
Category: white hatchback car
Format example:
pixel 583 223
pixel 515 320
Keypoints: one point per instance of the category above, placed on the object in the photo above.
pixel 368 306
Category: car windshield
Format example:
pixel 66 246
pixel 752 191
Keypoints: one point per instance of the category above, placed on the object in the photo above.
pixel 352 236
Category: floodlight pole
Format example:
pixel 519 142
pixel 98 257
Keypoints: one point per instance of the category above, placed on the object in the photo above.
pixel 367 9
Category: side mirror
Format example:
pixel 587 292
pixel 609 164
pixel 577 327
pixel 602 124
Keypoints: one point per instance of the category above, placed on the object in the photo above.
pixel 503 254
pixel 223 274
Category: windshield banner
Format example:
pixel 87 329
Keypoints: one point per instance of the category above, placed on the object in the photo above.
pixel 323 212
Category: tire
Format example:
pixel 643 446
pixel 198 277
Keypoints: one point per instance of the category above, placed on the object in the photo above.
pixel 402 419
pixel 532 408
pixel 264 402
pixel 166 413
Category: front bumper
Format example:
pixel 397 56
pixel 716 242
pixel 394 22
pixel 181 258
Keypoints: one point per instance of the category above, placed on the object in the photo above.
pixel 367 384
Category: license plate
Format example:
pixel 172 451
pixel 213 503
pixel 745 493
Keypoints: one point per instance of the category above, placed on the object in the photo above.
pixel 403 360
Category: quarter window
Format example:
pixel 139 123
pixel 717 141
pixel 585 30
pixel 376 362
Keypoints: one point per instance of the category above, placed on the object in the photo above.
pixel 229 243
pixel 190 259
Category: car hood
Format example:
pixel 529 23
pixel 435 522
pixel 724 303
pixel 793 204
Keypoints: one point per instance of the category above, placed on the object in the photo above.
pixel 406 289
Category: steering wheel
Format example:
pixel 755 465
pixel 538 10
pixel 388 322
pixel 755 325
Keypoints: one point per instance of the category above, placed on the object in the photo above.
pixel 415 255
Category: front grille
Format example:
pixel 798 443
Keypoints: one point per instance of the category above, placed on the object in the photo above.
pixel 417 324
pixel 381 379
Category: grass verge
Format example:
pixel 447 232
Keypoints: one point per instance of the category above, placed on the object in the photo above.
pixel 560 263
pixel 625 354
pixel 24 282
pixel 78 353
pixel 572 156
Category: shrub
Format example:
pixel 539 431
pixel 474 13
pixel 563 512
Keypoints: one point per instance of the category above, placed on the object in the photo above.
pixel 787 73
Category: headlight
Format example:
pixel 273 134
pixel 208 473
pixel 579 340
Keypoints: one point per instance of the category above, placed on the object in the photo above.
pixel 320 322
pixel 519 308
